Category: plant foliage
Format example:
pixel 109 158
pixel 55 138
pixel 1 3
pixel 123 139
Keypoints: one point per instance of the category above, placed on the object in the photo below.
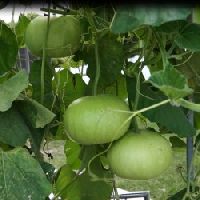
pixel 33 101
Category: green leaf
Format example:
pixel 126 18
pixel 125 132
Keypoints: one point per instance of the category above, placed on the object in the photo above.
pixel 189 37
pixel 58 132
pixel 66 186
pixel 20 29
pixel 13 130
pixel 111 56
pixel 22 177
pixel 94 190
pixel 5 147
pixel 168 116
pixel 135 16
pixel 35 80
pixel 36 136
pixel 81 187
pixel 97 172
pixel 196 14
pixel 11 88
pixel 35 113
pixel 70 86
pixel 118 88
pixel 191 71
pixel 173 26
pixel 177 142
pixel 72 152
pixel 8 48
pixel 179 195
pixel 171 82
pixel 173 119
pixel 49 170
pixel 87 153
pixel 144 123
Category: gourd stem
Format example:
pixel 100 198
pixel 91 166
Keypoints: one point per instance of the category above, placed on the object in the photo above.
pixel 137 97
pixel 98 70
pixel 150 107
pixel 44 58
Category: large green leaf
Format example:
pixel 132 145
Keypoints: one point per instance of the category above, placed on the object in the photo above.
pixel 129 17
pixel 49 170
pixel 36 137
pixel 171 82
pixel 191 70
pixel 68 86
pixel 35 113
pixel 168 116
pixel 118 88
pixel 35 80
pixel 171 117
pixel 72 152
pixel 97 171
pixel 94 190
pixel 66 186
pixel 11 88
pixel 175 26
pixel 22 177
pixel 13 130
pixel 8 48
pixel 20 29
pixel 111 57
pixel 81 187
pixel 86 154
pixel 189 37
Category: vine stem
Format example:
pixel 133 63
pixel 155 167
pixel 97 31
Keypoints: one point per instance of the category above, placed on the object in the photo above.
pixel 138 84
pixel 145 109
pixel 13 14
pixel 98 69
pixel 150 107
pixel 44 58
pixel 116 195
pixel 137 97
pixel 162 50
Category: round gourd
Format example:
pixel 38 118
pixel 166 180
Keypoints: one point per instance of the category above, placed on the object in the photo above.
pixel 96 119
pixel 140 156
pixel 63 36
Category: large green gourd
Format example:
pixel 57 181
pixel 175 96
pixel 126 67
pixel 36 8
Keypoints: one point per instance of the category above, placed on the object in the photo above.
pixel 63 36
pixel 140 156
pixel 97 119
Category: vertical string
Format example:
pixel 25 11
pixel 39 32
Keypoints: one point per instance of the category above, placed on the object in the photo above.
pixel 98 70
pixel 44 57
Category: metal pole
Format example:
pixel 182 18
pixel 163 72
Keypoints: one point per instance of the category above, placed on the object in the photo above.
pixel 24 59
